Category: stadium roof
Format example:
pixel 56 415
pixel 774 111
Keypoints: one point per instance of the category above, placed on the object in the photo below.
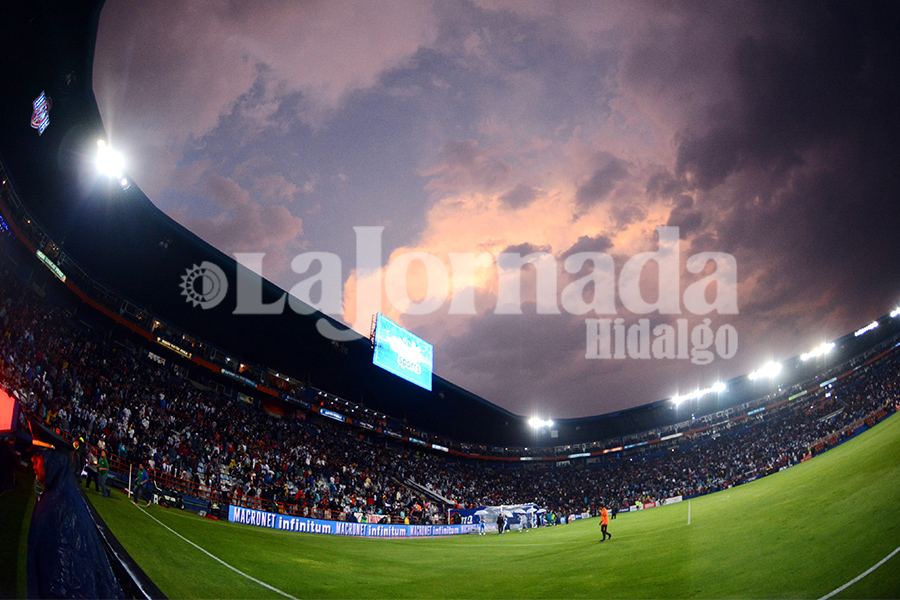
pixel 129 245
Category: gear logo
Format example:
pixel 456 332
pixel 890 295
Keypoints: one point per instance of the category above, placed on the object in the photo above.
pixel 204 285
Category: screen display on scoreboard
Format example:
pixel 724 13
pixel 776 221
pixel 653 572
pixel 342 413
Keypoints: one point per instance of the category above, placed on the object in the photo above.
pixel 402 353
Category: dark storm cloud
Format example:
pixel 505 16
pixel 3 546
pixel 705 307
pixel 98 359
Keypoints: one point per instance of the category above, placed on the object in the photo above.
pixel 465 164
pixel 609 171
pixel 786 127
pixel 626 212
pixel 792 158
pixel 525 249
pixel 600 243
pixel 684 216
pixel 768 130
pixel 502 352
pixel 519 196
pixel 813 138
pixel 507 350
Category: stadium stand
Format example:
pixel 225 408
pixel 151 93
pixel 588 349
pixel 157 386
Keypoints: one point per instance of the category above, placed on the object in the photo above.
pixel 210 444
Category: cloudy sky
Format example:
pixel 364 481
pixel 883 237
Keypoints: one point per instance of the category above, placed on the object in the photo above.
pixel 765 130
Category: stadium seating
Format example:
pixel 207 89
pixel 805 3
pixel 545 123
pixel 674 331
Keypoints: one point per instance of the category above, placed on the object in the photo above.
pixel 201 440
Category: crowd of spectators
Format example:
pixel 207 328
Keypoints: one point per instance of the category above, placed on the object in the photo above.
pixel 717 459
pixel 88 384
pixel 85 380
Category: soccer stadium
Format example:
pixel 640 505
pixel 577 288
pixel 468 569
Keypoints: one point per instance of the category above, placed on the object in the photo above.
pixel 177 421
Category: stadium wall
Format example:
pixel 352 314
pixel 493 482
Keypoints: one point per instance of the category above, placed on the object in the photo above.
pixel 270 520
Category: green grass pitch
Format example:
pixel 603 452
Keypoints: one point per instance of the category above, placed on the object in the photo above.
pixel 798 534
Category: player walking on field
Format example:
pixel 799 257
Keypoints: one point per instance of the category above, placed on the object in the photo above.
pixel 604 523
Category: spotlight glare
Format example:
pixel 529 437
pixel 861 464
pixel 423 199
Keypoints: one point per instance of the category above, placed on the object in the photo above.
pixel 820 350
pixel 716 388
pixel 770 370
pixel 865 329
pixel 538 423
pixel 109 162
pixel 895 312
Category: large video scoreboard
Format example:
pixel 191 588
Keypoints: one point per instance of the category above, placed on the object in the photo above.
pixel 402 353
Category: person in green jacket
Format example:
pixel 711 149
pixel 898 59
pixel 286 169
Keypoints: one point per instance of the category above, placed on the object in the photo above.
pixel 103 471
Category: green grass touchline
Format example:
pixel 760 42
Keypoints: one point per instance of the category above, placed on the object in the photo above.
pixel 216 558
pixel 862 575
pixel 800 533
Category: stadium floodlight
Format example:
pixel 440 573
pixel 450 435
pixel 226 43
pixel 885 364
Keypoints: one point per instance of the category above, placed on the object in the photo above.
pixel 820 350
pixel 716 388
pixel 770 370
pixel 895 312
pixel 865 329
pixel 538 423
pixel 110 162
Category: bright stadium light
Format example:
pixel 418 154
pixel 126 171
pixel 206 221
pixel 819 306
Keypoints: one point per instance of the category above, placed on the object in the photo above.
pixel 110 162
pixel 895 312
pixel 865 329
pixel 538 423
pixel 770 370
pixel 716 388
pixel 820 350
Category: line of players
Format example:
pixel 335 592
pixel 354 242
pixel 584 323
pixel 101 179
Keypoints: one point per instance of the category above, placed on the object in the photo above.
pixel 503 522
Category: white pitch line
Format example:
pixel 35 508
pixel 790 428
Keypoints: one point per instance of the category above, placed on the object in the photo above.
pixel 217 559
pixel 689 512
pixel 861 575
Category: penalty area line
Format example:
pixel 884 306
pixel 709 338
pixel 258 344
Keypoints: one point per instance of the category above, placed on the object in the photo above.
pixel 217 559
pixel 868 571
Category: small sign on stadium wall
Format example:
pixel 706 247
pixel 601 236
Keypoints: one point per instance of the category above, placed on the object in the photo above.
pixel 40 116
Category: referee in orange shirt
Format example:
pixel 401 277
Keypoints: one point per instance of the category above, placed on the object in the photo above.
pixel 604 522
